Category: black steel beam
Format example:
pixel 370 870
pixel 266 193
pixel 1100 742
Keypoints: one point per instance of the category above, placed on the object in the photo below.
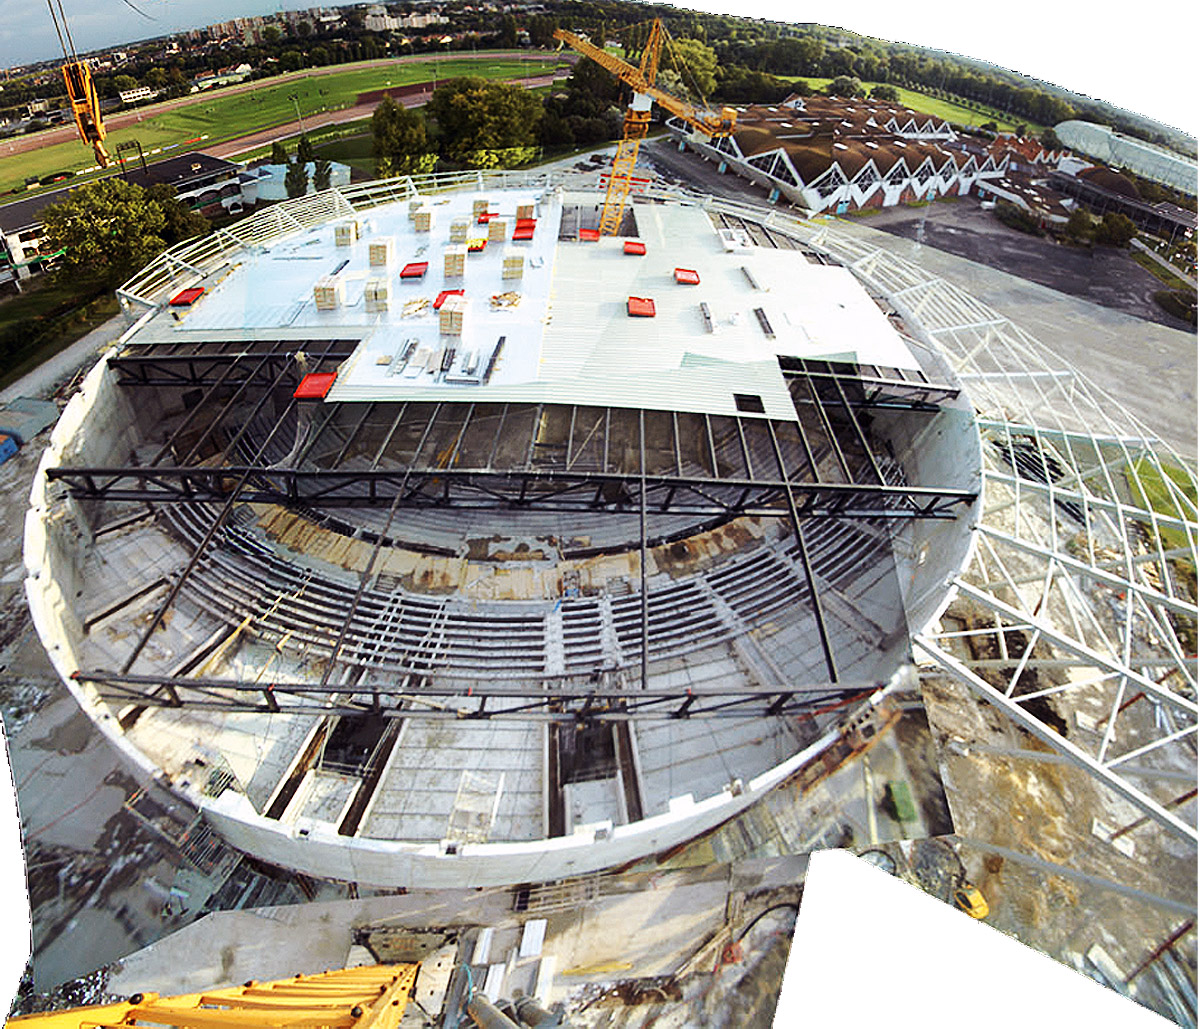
pixel 540 489
pixel 806 564
pixel 556 700
pixel 876 390
pixel 201 364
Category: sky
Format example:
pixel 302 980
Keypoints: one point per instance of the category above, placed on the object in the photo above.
pixel 1144 67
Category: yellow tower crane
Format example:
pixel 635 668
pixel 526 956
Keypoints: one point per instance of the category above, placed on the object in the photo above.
pixel 637 118
pixel 371 997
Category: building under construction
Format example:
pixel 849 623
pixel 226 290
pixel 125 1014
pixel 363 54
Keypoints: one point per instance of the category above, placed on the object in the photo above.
pixel 416 534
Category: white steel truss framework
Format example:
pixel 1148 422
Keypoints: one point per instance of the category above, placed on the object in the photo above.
pixel 1084 563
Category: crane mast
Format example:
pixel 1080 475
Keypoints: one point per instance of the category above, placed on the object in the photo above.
pixel 641 79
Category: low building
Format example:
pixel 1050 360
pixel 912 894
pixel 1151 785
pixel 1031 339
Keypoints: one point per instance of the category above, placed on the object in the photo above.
pixel 223 77
pixel 265 184
pixel 21 223
pixel 137 95
pixel 1102 190
pixel 829 154
pixel 1033 195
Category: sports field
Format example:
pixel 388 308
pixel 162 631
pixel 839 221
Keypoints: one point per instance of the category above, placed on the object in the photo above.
pixel 224 115
pixel 946 109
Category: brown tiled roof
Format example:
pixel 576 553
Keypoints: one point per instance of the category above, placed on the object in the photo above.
pixel 1111 180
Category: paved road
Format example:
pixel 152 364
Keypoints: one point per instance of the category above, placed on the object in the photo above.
pixel 64 134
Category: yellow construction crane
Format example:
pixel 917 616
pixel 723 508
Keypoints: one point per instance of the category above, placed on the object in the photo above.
pixel 637 117
pixel 371 997
pixel 81 90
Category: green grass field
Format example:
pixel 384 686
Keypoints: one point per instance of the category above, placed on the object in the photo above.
pixel 947 109
pixel 356 151
pixel 228 116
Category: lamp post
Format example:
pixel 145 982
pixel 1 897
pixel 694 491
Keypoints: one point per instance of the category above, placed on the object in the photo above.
pixel 300 121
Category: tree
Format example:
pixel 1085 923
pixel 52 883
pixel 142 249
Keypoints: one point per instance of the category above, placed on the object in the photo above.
pixel 484 124
pixel 305 153
pixel 695 63
pixel 296 179
pixel 507 34
pixel 541 29
pixel 180 221
pixel 322 170
pixel 884 92
pixel 1049 139
pixel 1115 229
pixel 121 83
pixel 108 230
pixel 272 35
pixel 845 86
pixel 1079 225
pixel 401 144
pixel 156 78
pixel 279 154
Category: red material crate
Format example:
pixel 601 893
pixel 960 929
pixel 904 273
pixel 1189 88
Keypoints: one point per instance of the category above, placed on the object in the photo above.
pixel 523 233
pixel 633 246
pixel 486 217
pixel 187 297
pixel 315 385
pixel 640 307
pixel 687 276
pixel 526 223
pixel 443 295
pixel 416 270
pixel 589 235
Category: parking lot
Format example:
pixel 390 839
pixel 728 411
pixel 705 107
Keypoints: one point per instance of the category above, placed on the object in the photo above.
pixel 1103 275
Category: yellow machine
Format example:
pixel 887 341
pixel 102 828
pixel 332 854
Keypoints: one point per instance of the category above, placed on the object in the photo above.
pixel 637 117
pixel 81 91
pixel 968 898
pixel 85 105
pixel 371 997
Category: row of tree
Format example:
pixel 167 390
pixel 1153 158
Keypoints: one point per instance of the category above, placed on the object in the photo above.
pixel 469 122
pixel 722 54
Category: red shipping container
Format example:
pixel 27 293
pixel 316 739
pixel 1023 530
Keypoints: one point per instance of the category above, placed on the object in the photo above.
pixel 687 276
pixel 633 246
pixel 416 270
pixel 640 307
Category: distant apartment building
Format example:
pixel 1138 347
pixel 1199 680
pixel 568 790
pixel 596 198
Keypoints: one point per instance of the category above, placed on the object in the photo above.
pixel 137 94
pixel 378 20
